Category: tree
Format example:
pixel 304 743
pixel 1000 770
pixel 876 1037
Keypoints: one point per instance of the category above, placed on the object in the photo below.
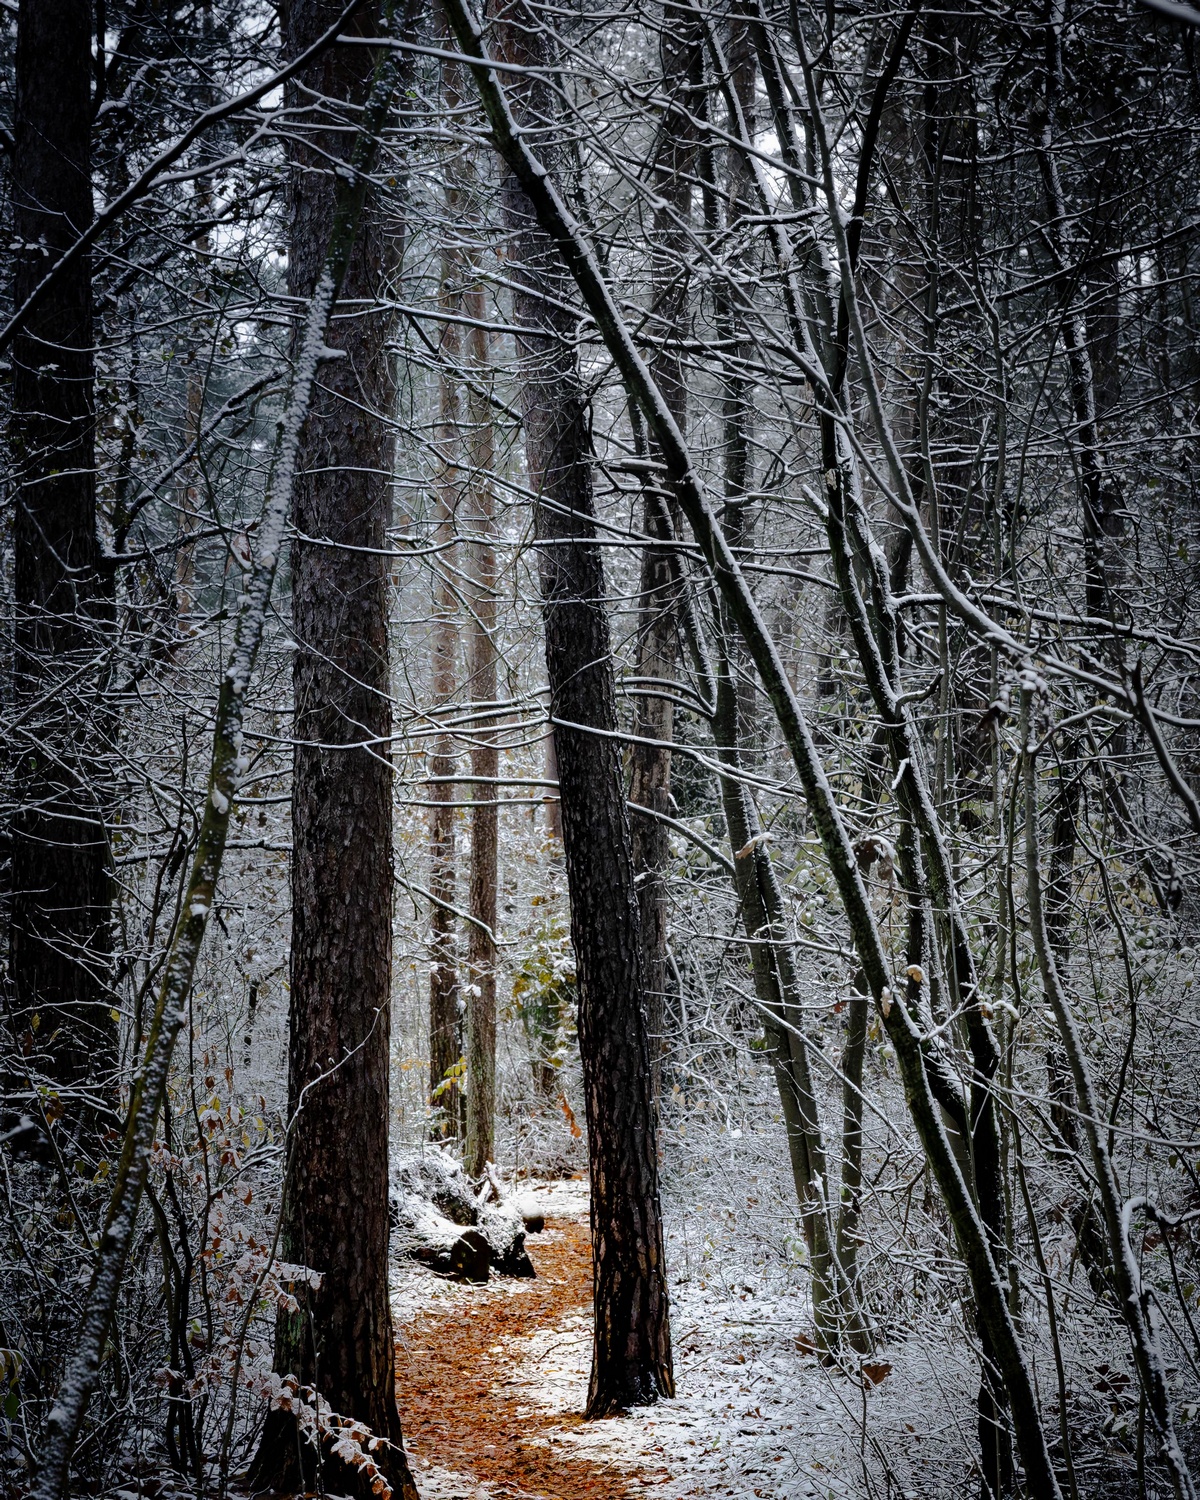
pixel 60 937
pixel 485 763
pixel 340 1341
pixel 445 1021
pixel 631 1353
pixel 681 59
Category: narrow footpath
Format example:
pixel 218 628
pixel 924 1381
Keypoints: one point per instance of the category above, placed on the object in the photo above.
pixel 474 1371
pixel 492 1381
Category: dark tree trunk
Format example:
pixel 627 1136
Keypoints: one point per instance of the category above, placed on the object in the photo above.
pixel 445 1023
pixel 336 1188
pixel 485 763
pixel 631 1359
pixel 60 939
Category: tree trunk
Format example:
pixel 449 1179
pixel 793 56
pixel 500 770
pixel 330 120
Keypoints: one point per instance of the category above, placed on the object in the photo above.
pixel 1135 1302
pixel 551 805
pixel 445 1024
pixel 631 1357
pixel 778 992
pixel 650 764
pixel 485 764
pixel 60 940
pixel 336 1188
pixel 1102 502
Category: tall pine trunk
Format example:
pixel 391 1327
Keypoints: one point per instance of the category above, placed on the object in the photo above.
pixel 60 939
pixel 445 1024
pixel 485 764
pixel 335 1193
pixel 631 1356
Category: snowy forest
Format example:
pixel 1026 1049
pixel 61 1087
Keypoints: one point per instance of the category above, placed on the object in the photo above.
pixel 599 758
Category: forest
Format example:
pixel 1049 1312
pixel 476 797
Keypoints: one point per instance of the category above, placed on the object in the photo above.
pixel 599 758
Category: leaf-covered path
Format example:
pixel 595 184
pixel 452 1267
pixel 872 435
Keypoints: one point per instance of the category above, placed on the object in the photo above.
pixel 466 1365
pixel 492 1381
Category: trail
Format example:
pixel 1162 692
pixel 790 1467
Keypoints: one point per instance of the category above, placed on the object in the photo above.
pixel 492 1380
pixel 474 1370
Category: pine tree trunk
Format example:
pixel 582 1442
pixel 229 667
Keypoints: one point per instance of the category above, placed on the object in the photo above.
pixel 336 1188
pixel 445 1024
pixel 60 940
pixel 485 764
pixel 631 1357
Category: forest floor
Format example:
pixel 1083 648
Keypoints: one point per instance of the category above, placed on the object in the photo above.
pixel 492 1382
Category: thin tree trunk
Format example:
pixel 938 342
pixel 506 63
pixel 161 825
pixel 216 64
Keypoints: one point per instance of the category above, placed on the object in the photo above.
pixel 485 764
pixel 778 994
pixel 1101 495
pixel 335 1220
pixel 650 764
pixel 552 804
pixel 835 1301
pixel 1135 1302
pixel 445 1023
pixel 850 1204
pixel 60 939
pixel 755 881
pixel 631 1358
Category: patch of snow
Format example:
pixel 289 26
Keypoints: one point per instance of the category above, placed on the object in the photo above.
pixel 755 1415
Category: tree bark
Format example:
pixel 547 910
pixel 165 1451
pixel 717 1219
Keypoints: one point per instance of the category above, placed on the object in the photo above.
pixel 60 940
pixel 631 1357
pixel 445 1023
pixel 336 1189
pixel 485 764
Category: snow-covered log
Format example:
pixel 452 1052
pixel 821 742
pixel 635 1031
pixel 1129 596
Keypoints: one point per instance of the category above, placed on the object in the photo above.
pixel 440 1220
pixel 423 1234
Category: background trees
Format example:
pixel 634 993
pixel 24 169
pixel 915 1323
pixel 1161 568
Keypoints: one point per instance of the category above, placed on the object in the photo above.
pixel 844 414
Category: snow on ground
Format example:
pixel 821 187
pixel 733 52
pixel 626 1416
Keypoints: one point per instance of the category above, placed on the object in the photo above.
pixel 755 1413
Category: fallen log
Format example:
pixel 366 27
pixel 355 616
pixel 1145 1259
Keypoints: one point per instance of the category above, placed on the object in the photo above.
pixel 525 1204
pixel 421 1233
pixel 439 1220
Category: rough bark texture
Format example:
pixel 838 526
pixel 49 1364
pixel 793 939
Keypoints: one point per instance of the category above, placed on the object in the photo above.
pixel 631 1362
pixel 445 1025
pixel 60 940
pixel 485 763
pixel 336 1188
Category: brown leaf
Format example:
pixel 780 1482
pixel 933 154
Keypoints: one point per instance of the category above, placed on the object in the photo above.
pixel 569 1114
